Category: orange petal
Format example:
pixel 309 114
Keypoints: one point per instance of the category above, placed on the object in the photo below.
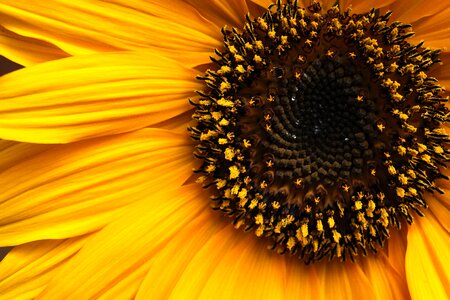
pixel 411 11
pixel 27 269
pixel 361 7
pixel 434 28
pixel 427 259
pixel 126 244
pixel 94 95
pixel 74 189
pixel 84 26
pixel 25 50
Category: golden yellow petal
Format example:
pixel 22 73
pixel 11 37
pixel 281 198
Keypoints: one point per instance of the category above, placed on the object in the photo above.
pixel 85 26
pixel 27 269
pixel 222 12
pixel 27 51
pixel 94 95
pixel 427 259
pixel 171 261
pixel 232 265
pixel 344 281
pixel 127 243
pixel 74 189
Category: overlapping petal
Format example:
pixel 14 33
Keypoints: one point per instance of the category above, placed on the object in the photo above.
pixel 94 95
pixel 427 259
pixel 27 269
pixel 128 244
pixel 70 190
pixel 82 26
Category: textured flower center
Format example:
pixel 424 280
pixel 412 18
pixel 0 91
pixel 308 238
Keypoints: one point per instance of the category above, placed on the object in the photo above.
pixel 321 129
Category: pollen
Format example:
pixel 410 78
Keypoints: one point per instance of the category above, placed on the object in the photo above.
pixel 321 130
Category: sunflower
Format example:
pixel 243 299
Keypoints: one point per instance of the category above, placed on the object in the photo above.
pixel 98 196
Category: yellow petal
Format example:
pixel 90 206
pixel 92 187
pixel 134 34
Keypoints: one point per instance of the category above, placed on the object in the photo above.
pixel 427 259
pixel 126 244
pixel 85 26
pixel 232 265
pixel 222 12
pixel 25 50
pixel 171 261
pixel 78 188
pixel 27 269
pixel 94 95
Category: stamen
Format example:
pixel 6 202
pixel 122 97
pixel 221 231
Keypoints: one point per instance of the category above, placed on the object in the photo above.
pixel 321 129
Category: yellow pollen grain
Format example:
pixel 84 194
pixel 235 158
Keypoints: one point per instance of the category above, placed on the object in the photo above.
pixel 319 226
pixel 229 154
pixel 276 205
pixel 358 205
pixel 400 192
pixel 224 70
pixel 224 86
pixel 232 49
pixel 248 46
pixel 259 45
pixel 421 147
pixel 247 143
pixel 331 222
pixel 392 170
pixel 438 149
pixel 284 40
pixel 242 193
pixel 291 243
pixel 253 204
pixel 403 179
pixel 223 141
pixel 401 150
pixel 224 122
pixel 412 191
pixel 259 219
pixel 234 172
pixel 304 230
pixel 238 57
pixel 221 183
pixel 259 231
pixel 262 23
pixel 271 34
pixel 235 190
pixel 225 103
pixel 240 69
pixel 426 158
pixel 210 168
pixel 257 59
pixel 336 236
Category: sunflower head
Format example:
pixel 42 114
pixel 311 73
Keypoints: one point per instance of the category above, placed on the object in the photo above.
pixel 321 129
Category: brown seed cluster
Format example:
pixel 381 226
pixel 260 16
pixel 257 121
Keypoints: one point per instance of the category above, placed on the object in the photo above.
pixel 321 129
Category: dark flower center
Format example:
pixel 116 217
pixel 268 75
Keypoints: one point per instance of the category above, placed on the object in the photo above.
pixel 321 130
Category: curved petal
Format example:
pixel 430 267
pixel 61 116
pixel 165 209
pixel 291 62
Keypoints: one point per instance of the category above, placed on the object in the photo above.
pixel 74 189
pixel 93 95
pixel 411 11
pixel 85 26
pixel 427 259
pixel 25 50
pixel 28 268
pixel 232 264
pixel 359 6
pixel 127 243
pixel 434 28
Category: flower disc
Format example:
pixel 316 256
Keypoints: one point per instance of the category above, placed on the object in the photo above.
pixel 321 129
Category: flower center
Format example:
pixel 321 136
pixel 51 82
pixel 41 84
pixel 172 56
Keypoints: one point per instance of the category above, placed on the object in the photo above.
pixel 321 129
